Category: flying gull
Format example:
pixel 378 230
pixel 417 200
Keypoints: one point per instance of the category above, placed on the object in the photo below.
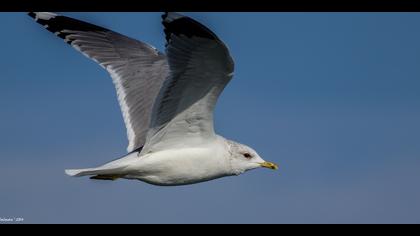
pixel 167 101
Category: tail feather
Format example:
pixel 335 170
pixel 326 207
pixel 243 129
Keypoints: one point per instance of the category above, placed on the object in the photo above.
pixel 73 173
pixel 111 170
pixel 82 172
pixel 112 173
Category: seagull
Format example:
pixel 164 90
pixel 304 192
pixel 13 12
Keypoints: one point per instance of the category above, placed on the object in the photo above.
pixel 167 101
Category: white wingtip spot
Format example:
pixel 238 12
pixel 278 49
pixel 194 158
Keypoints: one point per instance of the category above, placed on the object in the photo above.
pixel 44 15
pixel 72 173
pixel 171 16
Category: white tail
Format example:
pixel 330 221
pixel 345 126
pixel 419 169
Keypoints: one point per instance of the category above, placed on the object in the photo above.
pixel 83 172
pixel 73 173
pixel 94 171
pixel 113 168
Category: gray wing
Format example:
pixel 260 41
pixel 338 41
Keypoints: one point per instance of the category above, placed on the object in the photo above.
pixel 137 69
pixel 200 68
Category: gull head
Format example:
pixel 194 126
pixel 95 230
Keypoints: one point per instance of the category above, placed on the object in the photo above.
pixel 243 158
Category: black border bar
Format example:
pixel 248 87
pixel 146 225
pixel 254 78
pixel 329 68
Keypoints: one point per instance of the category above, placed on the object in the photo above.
pixel 213 5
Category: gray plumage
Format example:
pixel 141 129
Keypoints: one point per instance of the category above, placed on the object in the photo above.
pixel 167 101
pixel 137 69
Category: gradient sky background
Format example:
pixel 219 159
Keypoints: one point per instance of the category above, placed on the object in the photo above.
pixel 333 98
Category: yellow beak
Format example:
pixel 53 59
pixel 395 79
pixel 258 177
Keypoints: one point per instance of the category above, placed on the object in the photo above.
pixel 269 165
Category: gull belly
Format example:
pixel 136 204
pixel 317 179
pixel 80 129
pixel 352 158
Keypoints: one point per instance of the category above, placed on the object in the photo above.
pixel 181 166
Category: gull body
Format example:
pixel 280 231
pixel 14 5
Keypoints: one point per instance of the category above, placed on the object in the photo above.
pixel 167 101
pixel 181 166
pixel 193 165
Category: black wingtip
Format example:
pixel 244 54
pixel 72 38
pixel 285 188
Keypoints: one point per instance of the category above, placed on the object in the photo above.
pixel 164 15
pixel 57 24
pixel 182 25
pixel 32 14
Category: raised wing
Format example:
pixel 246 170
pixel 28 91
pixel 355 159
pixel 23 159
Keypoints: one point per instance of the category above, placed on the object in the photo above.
pixel 200 68
pixel 137 69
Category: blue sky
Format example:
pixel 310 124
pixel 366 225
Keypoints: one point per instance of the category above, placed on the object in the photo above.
pixel 333 98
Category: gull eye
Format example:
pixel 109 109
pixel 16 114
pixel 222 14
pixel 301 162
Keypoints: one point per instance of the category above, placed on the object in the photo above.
pixel 247 155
